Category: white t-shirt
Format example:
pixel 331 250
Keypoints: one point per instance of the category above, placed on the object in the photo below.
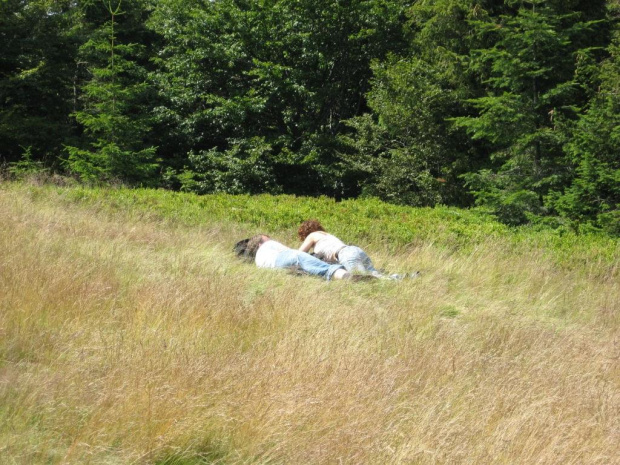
pixel 328 246
pixel 267 253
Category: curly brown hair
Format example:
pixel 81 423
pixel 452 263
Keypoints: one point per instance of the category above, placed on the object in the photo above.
pixel 307 227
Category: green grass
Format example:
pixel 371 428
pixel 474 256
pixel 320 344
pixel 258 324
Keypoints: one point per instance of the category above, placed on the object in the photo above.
pixel 130 333
pixel 368 222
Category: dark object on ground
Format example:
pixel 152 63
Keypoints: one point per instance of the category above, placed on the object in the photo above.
pixel 241 248
pixel 361 277
pixel 296 271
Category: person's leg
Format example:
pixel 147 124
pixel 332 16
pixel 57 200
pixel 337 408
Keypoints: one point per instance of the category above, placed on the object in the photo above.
pixel 355 259
pixel 314 266
pixel 287 258
pixel 309 264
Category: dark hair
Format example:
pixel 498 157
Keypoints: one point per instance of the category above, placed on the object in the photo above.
pixel 241 248
pixel 307 227
pixel 253 244
pixel 247 248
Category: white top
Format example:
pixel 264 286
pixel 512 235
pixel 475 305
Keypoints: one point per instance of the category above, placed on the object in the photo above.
pixel 327 246
pixel 267 253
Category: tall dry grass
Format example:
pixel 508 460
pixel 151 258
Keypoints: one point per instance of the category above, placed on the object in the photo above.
pixel 137 341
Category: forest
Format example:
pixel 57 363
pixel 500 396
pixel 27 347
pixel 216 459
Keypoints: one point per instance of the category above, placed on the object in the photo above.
pixel 509 106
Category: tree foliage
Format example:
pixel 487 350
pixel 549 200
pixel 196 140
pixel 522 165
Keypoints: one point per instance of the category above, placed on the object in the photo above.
pixel 37 72
pixel 510 105
pixel 282 74
pixel 112 116
pixel 407 150
pixel 530 72
pixel 593 196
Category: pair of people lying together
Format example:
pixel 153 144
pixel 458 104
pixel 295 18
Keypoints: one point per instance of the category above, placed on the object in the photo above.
pixel 332 258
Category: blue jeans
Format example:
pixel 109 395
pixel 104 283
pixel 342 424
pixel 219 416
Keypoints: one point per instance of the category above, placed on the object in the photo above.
pixel 355 259
pixel 307 263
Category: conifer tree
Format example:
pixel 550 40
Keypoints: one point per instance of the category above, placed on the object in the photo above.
pixel 36 71
pixel 530 73
pixel 114 121
pixel 593 196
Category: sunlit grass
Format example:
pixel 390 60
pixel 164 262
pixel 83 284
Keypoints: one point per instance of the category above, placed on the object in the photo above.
pixel 127 337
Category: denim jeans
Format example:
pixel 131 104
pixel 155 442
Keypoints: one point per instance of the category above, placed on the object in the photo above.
pixel 307 263
pixel 355 259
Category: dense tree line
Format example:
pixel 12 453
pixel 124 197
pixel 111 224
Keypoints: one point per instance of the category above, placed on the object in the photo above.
pixel 512 105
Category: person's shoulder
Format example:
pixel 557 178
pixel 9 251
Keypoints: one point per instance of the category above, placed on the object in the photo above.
pixel 273 245
pixel 331 236
pixel 318 234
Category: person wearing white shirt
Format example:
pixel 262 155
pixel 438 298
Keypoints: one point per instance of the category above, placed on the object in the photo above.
pixel 331 249
pixel 268 253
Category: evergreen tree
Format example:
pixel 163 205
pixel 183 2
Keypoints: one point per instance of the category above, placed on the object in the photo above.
pixel 114 121
pixel 37 69
pixel 404 155
pixel 530 70
pixel 593 196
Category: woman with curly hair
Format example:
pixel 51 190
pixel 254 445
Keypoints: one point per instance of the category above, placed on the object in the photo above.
pixel 329 248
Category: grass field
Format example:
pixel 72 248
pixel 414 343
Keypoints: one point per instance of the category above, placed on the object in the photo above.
pixel 129 333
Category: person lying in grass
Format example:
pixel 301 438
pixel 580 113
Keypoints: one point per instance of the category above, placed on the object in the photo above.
pixel 332 250
pixel 267 253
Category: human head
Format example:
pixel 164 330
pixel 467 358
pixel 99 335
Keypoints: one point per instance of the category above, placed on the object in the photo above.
pixel 254 243
pixel 241 248
pixel 307 227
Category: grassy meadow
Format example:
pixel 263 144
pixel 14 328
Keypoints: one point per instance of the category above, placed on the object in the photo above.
pixel 130 334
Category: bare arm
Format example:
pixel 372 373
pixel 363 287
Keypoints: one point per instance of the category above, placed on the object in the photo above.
pixel 308 244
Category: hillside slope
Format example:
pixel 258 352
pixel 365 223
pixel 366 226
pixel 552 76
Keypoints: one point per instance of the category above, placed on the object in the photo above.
pixel 129 333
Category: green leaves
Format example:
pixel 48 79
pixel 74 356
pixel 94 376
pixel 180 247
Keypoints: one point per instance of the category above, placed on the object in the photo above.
pixel 36 73
pixel 114 122
pixel 511 105
pixel 283 71
pixel 593 196
pixel 407 149
pixel 244 168
pixel 531 92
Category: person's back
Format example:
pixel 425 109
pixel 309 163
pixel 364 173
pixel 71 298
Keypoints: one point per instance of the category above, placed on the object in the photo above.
pixel 268 252
pixel 327 246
